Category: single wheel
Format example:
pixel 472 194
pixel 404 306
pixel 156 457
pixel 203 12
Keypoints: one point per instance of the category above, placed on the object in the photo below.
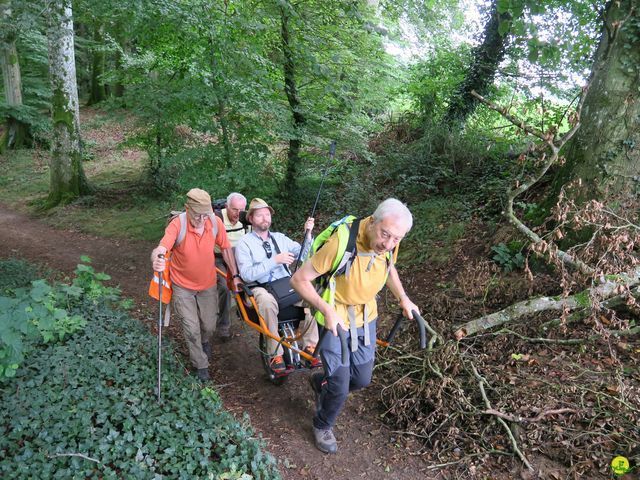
pixel 276 379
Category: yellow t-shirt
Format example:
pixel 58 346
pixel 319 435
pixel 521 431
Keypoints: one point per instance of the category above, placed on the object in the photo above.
pixel 361 286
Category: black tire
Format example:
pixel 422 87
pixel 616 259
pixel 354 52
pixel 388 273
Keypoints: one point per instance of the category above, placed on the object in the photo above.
pixel 273 378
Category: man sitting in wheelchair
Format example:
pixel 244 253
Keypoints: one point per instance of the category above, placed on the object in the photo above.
pixel 263 258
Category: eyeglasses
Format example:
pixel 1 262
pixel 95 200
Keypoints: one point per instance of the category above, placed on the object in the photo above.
pixel 267 249
pixel 199 216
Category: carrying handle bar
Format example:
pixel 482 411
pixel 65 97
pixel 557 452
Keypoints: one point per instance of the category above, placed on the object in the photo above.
pixel 419 320
pixel 344 350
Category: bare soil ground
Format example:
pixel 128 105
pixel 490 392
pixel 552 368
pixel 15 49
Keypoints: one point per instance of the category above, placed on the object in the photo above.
pixel 282 415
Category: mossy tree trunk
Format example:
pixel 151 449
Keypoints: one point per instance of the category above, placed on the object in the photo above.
pixel 17 133
pixel 481 73
pixel 67 177
pixel 291 90
pixel 605 153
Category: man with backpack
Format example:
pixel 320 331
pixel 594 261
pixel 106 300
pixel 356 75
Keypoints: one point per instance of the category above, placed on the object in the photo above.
pixel 236 226
pixel 355 261
pixel 263 258
pixel 191 237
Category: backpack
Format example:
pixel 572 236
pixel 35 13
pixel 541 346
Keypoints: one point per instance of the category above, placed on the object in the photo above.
pixel 347 230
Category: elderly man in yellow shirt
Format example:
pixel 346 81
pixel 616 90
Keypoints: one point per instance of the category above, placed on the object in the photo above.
pixel 355 298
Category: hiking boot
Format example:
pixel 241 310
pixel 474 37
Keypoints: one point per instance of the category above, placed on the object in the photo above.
pixel 206 348
pixel 315 361
pixel 315 380
pixel 203 374
pixel 325 441
pixel 277 364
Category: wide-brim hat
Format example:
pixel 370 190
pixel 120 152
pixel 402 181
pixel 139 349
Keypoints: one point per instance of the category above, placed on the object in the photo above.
pixel 199 201
pixel 258 203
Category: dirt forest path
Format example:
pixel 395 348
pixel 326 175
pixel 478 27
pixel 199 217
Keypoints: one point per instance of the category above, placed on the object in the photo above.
pixel 282 415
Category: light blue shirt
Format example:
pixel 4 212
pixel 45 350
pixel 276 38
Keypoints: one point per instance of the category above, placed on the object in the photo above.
pixel 253 264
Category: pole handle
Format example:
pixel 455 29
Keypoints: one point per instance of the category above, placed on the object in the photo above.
pixel 395 328
pixel 344 349
pixel 423 333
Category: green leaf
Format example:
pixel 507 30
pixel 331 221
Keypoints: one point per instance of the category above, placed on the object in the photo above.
pixel 504 6
pixel 504 27
pixel 85 259
pixel 39 290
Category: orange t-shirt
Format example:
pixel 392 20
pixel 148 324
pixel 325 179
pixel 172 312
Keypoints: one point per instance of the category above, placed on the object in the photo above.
pixel 193 261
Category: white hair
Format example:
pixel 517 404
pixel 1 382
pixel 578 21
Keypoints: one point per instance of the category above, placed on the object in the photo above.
pixel 392 207
pixel 236 195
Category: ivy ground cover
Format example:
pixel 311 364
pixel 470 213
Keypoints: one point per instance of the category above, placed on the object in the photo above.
pixel 85 407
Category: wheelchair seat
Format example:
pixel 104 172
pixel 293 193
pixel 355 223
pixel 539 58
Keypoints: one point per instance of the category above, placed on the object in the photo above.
pixel 291 314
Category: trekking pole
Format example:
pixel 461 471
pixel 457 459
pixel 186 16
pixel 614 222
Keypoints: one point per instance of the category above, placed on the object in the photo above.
pixel 332 154
pixel 160 282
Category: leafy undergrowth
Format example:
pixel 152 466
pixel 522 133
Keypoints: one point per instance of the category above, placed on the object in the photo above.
pixel 569 393
pixel 85 407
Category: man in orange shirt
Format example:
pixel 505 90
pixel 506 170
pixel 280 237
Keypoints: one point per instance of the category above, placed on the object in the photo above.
pixel 193 273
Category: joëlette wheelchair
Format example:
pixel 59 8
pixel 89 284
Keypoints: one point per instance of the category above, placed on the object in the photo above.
pixel 289 319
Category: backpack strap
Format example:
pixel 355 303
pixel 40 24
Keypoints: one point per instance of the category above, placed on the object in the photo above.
pixel 183 227
pixel 277 249
pixel 350 251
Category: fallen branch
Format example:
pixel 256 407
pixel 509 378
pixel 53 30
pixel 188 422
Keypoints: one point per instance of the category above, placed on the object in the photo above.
pixel 518 419
pixel 554 145
pixel 481 383
pixel 74 455
pixel 605 290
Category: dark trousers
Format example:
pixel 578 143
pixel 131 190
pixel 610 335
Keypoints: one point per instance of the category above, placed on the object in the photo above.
pixel 224 298
pixel 342 378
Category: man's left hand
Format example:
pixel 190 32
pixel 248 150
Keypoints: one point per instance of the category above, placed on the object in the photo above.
pixel 308 225
pixel 408 306
pixel 236 284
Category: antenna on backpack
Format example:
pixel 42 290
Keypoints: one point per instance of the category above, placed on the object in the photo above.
pixel 332 154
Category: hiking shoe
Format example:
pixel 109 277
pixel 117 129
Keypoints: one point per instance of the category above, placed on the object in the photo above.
pixel 325 441
pixel 277 364
pixel 203 374
pixel 315 361
pixel 315 380
pixel 206 348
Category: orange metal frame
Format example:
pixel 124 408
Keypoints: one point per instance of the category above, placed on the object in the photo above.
pixel 261 326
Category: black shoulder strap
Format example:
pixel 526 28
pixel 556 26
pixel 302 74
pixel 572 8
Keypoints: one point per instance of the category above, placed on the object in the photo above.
pixel 277 249
pixel 351 248
pixel 353 235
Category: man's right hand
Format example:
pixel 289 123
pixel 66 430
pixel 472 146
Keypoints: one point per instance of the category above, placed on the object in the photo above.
pixel 332 320
pixel 159 263
pixel 285 258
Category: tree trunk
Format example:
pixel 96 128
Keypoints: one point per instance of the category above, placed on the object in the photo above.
pixel 118 88
pixel 98 91
pixel 481 73
pixel 221 102
pixel 17 133
pixel 605 152
pixel 291 90
pixel 67 177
